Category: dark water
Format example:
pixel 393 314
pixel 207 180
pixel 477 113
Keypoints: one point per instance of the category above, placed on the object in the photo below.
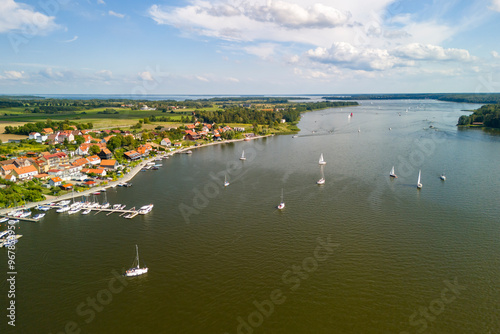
pixel 361 254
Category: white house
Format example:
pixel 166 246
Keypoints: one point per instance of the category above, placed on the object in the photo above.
pixel 165 142
pixel 40 138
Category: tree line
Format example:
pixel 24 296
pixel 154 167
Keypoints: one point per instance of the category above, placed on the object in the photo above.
pixel 27 128
pixel 489 115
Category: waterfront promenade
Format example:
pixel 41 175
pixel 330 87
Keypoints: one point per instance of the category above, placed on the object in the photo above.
pixel 126 177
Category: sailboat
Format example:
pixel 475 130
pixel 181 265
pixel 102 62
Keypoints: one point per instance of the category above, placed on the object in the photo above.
pixel 281 206
pixel 321 160
pixel 443 177
pixel 136 271
pixel 243 155
pixel 322 180
pixel 226 183
pixel 419 184
pixel 392 174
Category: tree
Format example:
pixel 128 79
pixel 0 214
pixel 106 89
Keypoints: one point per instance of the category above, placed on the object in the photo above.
pixel 114 143
pixel 94 149
pixel 79 139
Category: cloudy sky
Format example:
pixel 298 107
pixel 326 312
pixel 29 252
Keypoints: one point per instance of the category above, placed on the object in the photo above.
pixel 249 46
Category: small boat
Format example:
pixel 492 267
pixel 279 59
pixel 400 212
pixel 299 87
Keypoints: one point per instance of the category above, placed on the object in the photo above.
pixel 419 184
pixel 321 181
pixel 321 160
pixel 25 214
pixel 105 205
pixel 39 216
pixel 13 221
pixel 243 155
pixel 281 206
pixel 226 183
pixel 116 206
pixel 43 208
pixel 359 129
pixel 392 174
pixel 63 203
pixel 86 211
pixel 96 193
pixel 443 177
pixel 63 209
pixel 72 211
pixel 145 209
pixel 137 270
pixel 3 220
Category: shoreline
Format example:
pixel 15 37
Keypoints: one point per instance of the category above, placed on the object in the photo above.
pixel 127 177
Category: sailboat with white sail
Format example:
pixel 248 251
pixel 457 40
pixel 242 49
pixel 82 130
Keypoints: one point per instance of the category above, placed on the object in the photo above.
pixel 226 183
pixel 243 155
pixel 322 180
pixel 392 174
pixel 281 206
pixel 321 160
pixel 136 271
pixel 419 184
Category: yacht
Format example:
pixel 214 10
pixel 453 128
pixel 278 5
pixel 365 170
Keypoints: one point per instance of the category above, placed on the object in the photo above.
pixel 63 209
pixel 39 216
pixel 86 211
pixel 392 174
pixel 137 270
pixel 281 206
pixel 145 209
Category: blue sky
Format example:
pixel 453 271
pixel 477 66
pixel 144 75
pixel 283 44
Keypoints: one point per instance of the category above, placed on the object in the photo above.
pixel 249 46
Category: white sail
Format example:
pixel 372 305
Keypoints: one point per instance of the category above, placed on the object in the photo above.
pixel 419 184
pixel 321 160
pixel 243 155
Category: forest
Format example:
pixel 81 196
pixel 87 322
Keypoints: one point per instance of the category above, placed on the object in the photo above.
pixel 488 114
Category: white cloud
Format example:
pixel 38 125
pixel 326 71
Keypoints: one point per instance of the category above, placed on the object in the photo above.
pixel 146 75
pixel 71 40
pixel 105 74
pixel 495 5
pixel 15 75
pixel 112 13
pixel 349 56
pixel 202 78
pixel 495 55
pixel 419 51
pixel 101 2
pixel 17 16
pixel 263 51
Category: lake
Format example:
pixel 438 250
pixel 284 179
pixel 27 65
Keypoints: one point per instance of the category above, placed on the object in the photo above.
pixel 364 253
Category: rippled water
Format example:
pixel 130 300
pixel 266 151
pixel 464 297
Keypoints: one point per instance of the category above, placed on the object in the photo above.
pixel 224 260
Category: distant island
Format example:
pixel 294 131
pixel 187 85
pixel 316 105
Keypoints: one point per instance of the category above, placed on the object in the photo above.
pixel 486 116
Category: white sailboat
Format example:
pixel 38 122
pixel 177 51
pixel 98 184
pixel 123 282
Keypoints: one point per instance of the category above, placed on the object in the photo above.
pixel 281 206
pixel 392 174
pixel 322 180
pixel 136 271
pixel 419 184
pixel 321 160
pixel 443 177
pixel 243 155
pixel 226 183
